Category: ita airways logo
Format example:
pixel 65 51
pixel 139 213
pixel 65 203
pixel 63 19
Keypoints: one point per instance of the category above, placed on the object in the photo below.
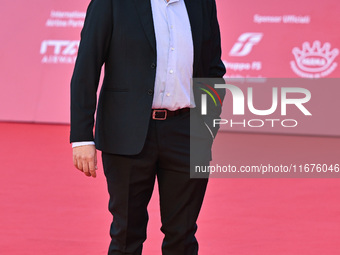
pixel 59 51
pixel 213 95
pixel 314 61
pixel 245 44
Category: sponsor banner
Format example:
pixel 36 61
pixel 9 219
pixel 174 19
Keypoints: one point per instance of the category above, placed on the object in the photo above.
pixel 292 39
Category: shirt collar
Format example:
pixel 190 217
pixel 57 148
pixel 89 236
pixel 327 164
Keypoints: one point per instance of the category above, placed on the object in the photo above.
pixel 171 1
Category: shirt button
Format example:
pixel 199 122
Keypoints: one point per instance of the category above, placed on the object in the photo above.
pixel 171 71
pixel 172 48
pixel 150 92
pixel 167 94
pixel 153 65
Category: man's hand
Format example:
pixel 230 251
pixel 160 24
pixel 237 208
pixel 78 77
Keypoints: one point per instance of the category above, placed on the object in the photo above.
pixel 85 159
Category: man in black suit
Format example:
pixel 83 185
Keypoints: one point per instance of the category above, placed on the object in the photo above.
pixel 151 49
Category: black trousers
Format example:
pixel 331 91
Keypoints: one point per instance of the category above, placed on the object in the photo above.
pixel 130 179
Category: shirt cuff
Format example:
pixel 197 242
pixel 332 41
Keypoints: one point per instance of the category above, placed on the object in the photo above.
pixel 77 144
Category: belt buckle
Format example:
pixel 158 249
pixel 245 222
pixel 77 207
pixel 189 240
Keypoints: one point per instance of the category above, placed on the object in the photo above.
pixel 154 112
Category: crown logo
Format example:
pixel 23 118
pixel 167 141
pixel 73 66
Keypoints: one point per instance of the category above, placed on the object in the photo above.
pixel 314 61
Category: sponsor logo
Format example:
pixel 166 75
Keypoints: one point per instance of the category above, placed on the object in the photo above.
pixel 241 48
pixel 314 61
pixel 245 44
pixel 59 51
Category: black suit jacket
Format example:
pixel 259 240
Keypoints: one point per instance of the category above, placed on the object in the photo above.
pixel 120 34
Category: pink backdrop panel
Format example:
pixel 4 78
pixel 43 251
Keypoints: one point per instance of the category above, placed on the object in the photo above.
pixel 38 49
pixel 258 37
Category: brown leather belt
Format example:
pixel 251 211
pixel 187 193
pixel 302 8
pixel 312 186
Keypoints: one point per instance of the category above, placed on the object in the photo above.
pixel 163 114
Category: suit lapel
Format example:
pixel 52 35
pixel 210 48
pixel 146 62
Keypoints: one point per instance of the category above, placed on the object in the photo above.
pixel 145 14
pixel 194 9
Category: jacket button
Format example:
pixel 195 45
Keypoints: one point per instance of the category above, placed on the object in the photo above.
pixel 150 92
pixel 153 65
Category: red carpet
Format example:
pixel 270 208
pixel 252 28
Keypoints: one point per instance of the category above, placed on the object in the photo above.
pixel 47 207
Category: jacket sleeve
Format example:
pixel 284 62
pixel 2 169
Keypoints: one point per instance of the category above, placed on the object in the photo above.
pixel 93 49
pixel 216 69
